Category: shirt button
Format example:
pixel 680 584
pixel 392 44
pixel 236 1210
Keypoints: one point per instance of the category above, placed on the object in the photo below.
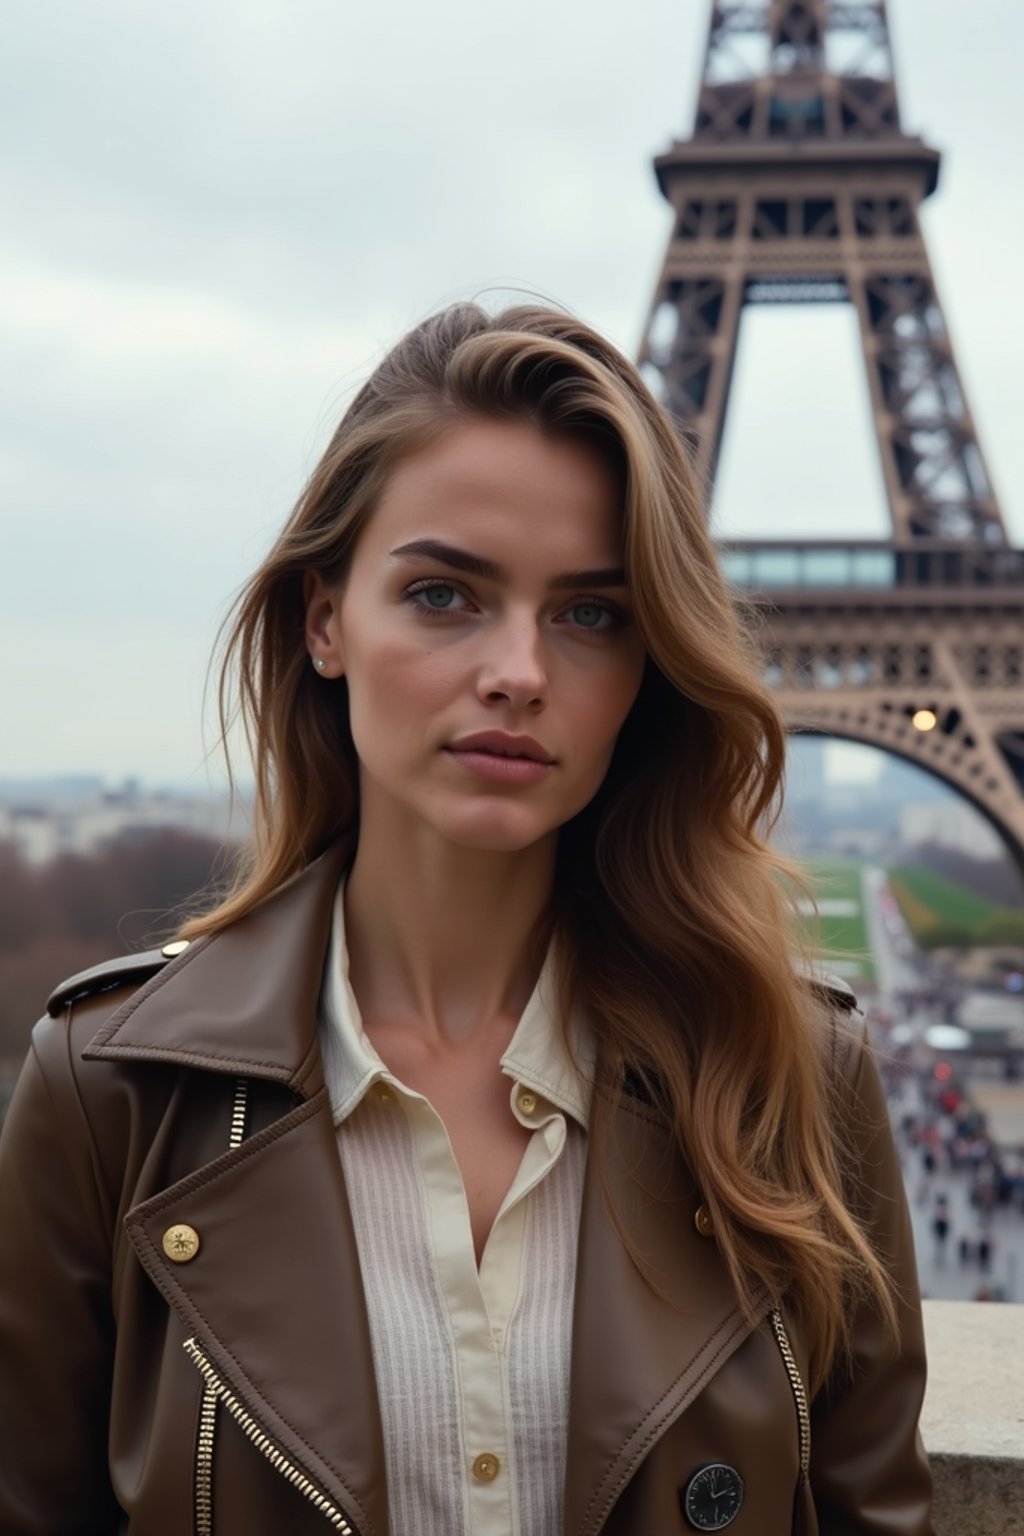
pixel 383 1095
pixel 527 1101
pixel 486 1468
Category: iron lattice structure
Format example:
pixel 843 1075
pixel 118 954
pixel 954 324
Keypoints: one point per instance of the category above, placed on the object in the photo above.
pixel 798 184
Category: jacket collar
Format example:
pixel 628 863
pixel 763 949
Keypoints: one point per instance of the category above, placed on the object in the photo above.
pixel 244 1000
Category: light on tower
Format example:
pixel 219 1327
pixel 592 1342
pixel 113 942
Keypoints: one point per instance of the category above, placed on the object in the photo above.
pixel 924 720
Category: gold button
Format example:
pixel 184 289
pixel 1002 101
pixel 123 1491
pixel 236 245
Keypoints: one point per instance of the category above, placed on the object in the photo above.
pixel 703 1222
pixel 177 947
pixel 527 1101
pixel 486 1468
pixel 181 1243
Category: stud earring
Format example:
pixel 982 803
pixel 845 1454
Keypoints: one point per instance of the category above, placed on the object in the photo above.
pixel 319 663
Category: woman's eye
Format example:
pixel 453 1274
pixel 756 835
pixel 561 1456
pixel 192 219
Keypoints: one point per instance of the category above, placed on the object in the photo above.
pixel 596 616
pixel 434 596
pixel 438 597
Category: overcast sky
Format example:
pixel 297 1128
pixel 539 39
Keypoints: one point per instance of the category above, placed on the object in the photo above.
pixel 218 216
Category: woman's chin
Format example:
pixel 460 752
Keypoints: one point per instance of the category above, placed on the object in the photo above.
pixel 498 830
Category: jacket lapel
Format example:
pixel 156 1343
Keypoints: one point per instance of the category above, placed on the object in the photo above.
pixel 639 1355
pixel 273 1297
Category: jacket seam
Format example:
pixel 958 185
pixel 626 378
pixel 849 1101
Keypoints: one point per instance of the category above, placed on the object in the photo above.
pixel 183 1058
pixel 858 1118
pixel 849 1045
pixel 93 1185
pixel 307 1067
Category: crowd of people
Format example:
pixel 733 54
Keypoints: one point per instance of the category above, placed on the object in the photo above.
pixel 956 1173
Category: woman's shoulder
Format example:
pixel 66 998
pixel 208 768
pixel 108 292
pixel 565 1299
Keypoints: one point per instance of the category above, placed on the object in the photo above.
pixel 78 1008
pixel 855 1095
pixel 125 971
pixel 71 1112
pixel 843 1025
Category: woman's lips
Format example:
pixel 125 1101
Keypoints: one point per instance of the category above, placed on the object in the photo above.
pixel 501 770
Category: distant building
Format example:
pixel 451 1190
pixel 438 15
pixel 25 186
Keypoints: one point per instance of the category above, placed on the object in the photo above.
pixel 44 827
pixel 861 842
pixel 34 831
pixel 953 824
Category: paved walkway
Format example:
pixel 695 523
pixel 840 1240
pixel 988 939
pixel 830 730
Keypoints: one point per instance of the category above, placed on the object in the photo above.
pixel 896 965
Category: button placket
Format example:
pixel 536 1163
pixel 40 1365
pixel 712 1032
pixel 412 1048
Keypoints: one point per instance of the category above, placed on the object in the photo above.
pixel 480 1369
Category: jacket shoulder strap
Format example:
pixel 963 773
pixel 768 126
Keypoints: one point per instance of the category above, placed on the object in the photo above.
pixel 832 989
pixel 125 971
pixel 841 1019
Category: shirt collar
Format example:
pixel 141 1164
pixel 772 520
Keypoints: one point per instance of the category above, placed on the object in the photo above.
pixel 537 1056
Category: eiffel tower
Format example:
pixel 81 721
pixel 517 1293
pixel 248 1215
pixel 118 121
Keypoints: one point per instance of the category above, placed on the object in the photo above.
pixel 799 185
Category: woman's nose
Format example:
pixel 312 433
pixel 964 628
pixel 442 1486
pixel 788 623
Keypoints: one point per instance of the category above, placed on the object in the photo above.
pixel 514 667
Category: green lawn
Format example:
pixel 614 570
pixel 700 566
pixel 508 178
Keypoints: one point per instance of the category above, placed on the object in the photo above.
pixel 841 931
pixel 947 901
pixel 940 912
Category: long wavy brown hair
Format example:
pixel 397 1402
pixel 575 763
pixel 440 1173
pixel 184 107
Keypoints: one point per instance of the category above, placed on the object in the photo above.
pixel 671 913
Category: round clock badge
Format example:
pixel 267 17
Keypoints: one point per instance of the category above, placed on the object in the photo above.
pixel 713 1497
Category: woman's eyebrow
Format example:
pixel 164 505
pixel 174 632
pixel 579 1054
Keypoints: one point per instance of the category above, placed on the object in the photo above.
pixel 477 565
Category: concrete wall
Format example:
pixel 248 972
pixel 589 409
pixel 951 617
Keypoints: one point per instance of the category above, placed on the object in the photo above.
pixel 973 1421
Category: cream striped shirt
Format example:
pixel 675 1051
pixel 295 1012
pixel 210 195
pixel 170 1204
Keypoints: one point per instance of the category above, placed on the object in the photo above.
pixel 472 1366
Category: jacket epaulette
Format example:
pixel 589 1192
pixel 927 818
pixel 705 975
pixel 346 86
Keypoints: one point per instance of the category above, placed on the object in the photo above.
pixel 125 971
pixel 833 988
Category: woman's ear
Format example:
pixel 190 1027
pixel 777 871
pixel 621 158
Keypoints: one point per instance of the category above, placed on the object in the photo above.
pixel 323 624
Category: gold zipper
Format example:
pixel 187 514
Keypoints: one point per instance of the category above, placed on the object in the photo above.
pixel 799 1391
pixel 208 1409
pixel 238 1114
pixel 252 1431
pixel 204 1464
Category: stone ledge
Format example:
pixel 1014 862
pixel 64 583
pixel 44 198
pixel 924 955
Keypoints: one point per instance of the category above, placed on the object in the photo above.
pixel 973 1419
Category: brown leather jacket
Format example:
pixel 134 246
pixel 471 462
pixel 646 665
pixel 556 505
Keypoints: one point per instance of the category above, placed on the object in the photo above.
pixel 230 1387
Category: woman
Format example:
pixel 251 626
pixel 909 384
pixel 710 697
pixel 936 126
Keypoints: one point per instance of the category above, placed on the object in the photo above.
pixel 485 1162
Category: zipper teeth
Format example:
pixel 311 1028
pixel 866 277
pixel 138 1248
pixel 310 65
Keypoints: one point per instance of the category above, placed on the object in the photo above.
pixel 252 1431
pixel 208 1409
pixel 204 1463
pixel 238 1111
pixel 799 1391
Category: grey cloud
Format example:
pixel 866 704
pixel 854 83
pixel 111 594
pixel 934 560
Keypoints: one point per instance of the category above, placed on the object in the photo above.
pixel 217 215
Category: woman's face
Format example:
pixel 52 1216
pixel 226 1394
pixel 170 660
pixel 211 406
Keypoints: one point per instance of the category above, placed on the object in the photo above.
pixel 485 595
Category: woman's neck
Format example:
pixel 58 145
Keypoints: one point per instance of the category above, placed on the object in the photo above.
pixel 444 938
